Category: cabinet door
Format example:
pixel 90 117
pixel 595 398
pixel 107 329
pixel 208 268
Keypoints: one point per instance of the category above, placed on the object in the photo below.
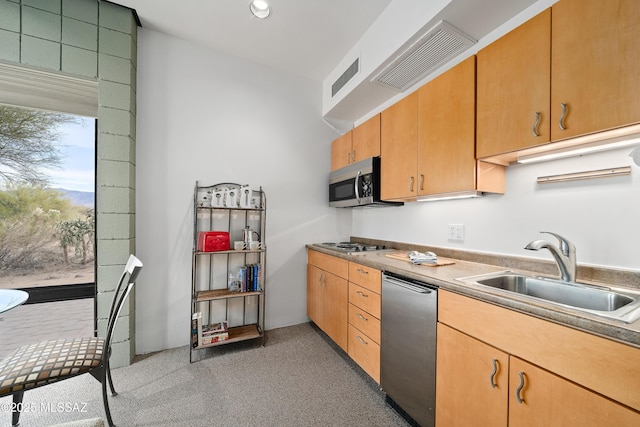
pixel 465 392
pixel 314 294
pixel 549 400
pixel 365 352
pixel 446 131
pixel 596 65
pixel 335 308
pixel 341 152
pixel 398 149
pixel 514 84
pixel 366 139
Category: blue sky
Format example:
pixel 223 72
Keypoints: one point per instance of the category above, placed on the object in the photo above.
pixel 78 147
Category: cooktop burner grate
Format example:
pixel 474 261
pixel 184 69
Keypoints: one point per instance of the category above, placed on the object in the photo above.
pixel 351 246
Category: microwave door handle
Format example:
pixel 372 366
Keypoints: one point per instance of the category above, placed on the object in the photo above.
pixel 356 186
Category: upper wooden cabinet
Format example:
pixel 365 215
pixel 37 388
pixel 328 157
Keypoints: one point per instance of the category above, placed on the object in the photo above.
pixel 358 144
pixel 514 87
pixel 446 136
pixel 366 139
pixel 341 151
pixel 595 56
pixel 398 150
pixel 572 70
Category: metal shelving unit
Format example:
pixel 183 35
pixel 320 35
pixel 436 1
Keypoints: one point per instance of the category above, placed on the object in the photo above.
pixel 210 295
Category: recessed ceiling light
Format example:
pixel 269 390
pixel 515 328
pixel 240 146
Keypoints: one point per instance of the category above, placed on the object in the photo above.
pixel 260 9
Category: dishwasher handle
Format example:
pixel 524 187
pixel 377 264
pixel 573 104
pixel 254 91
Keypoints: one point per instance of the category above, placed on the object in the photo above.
pixel 408 285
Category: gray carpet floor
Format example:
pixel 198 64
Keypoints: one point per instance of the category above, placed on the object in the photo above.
pixel 299 378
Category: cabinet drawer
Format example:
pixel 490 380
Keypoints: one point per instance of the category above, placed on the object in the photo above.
pixel 365 352
pixel 578 356
pixel 364 299
pixel 335 265
pixel 365 322
pixel 366 277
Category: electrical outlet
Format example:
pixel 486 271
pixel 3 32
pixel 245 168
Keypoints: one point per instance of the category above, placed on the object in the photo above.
pixel 456 232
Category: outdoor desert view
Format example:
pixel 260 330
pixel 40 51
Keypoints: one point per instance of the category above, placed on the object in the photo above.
pixel 47 221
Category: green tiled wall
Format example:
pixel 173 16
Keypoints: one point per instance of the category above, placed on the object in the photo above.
pixel 94 40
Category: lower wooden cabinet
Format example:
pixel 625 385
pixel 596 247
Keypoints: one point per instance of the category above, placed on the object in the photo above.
pixel 365 287
pixel 468 392
pixel 365 352
pixel 489 381
pixel 546 399
pixel 327 295
pixel 343 299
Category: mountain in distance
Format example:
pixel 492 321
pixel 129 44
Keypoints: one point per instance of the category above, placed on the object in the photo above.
pixel 78 198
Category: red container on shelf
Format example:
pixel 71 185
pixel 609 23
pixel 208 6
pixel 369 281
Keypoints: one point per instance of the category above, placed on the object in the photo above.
pixel 212 241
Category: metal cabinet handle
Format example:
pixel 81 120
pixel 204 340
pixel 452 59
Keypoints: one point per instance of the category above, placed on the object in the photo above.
pixel 519 395
pixel 421 182
pixel 362 317
pixel 563 116
pixel 411 184
pixel 492 377
pixel 323 280
pixel 362 294
pixel 536 125
pixel 353 156
pixel 359 270
pixel 361 340
pixel 349 158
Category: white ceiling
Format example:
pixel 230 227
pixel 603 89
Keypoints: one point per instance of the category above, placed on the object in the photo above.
pixel 305 37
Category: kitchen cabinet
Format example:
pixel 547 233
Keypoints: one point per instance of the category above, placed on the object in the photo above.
pixel 446 136
pixel 358 144
pixel 398 150
pixel 227 286
pixel 513 89
pixel 551 374
pixel 595 57
pixel 327 295
pixel 548 399
pixel 365 287
pixel 341 149
pixel 570 71
pixel 465 367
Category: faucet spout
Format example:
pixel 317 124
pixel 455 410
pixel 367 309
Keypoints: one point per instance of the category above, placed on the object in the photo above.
pixel 565 255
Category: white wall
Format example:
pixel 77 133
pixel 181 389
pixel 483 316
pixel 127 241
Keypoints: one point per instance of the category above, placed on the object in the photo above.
pixel 601 216
pixel 212 118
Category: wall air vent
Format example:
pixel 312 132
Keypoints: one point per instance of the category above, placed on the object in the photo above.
pixel 345 77
pixel 422 54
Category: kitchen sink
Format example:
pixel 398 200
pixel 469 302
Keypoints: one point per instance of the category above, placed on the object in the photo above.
pixel 617 304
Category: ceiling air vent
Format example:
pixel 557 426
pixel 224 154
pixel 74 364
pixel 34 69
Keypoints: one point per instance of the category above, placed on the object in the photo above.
pixel 422 54
pixel 345 77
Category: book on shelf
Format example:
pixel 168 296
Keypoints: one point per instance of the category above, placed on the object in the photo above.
pixel 249 277
pixel 196 329
pixel 214 328
pixel 213 338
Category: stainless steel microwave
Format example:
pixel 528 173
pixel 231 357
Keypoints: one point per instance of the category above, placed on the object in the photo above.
pixel 357 185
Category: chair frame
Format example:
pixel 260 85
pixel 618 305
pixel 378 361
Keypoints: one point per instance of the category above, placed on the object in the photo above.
pixel 102 372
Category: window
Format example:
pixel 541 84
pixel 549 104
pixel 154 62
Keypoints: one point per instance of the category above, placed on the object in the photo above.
pixel 47 200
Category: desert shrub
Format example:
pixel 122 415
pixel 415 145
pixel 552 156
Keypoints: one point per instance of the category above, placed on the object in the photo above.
pixel 29 228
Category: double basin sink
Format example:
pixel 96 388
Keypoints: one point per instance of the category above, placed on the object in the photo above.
pixel 616 304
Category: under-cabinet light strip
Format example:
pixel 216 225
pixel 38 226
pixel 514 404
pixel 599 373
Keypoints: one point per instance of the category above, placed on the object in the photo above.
pixel 577 176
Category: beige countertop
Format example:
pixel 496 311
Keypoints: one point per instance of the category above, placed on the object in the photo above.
pixel 445 277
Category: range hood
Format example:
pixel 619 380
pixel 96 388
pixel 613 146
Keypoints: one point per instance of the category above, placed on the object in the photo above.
pixel 391 58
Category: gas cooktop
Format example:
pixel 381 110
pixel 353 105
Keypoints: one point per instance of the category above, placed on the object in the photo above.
pixel 351 247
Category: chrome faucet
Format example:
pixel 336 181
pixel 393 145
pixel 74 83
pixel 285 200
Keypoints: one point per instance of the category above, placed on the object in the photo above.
pixel 565 255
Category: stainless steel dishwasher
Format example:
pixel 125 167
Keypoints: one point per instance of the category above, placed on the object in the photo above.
pixel 408 346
